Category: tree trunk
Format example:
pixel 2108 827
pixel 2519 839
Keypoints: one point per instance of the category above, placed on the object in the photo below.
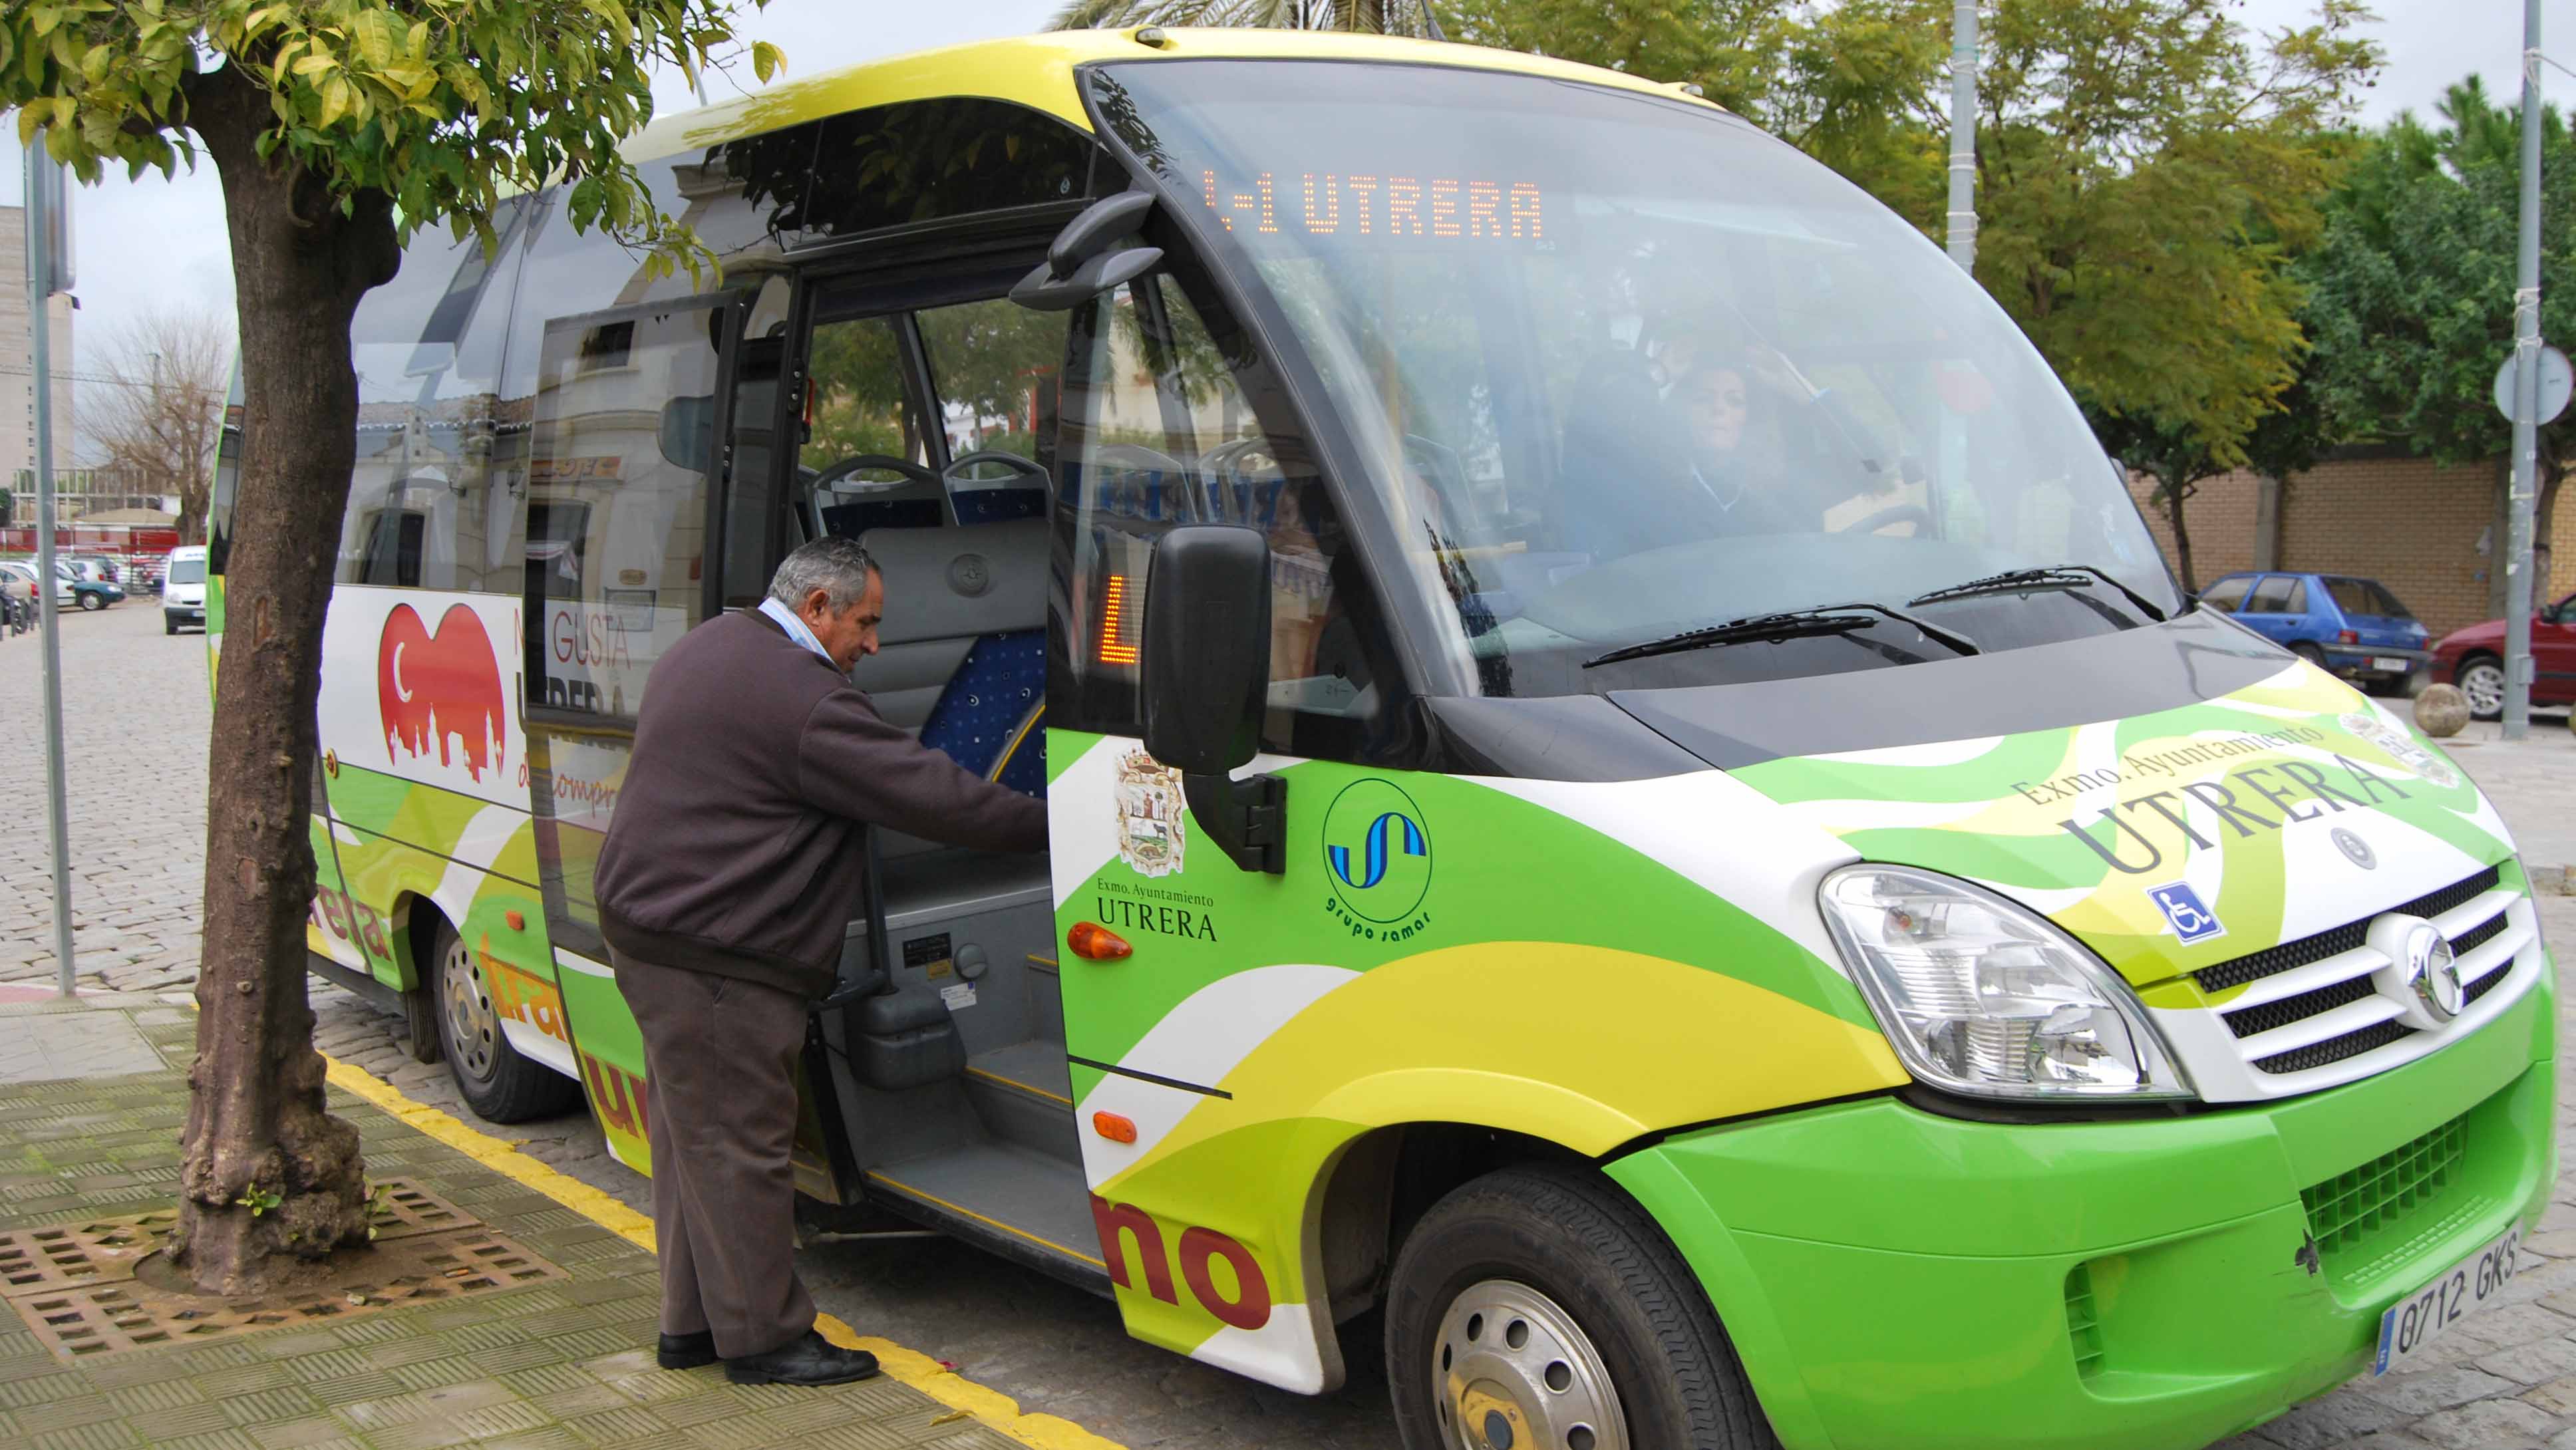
pixel 267 1171
pixel 2174 492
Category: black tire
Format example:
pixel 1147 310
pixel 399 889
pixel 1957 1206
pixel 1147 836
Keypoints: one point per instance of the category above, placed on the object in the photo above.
pixel 2482 679
pixel 1592 1256
pixel 169 625
pixel 2310 653
pixel 498 1084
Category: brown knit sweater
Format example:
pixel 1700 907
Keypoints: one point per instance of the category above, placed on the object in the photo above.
pixel 736 849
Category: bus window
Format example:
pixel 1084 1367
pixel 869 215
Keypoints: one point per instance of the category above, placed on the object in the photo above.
pixel 1158 432
pixel 435 447
pixel 617 480
pixel 391 554
pixel 866 456
pixel 991 364
pixel 1618 367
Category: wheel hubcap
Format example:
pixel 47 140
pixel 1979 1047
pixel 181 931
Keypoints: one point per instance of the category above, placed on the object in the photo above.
pixel 1513 1371
pixel 474 1029
pixel 2484 685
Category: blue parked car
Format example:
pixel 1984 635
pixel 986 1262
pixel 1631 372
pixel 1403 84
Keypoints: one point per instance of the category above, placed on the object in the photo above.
pixel 2353 627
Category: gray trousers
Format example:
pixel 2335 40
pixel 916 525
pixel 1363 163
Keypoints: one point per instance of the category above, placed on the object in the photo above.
pixel 720 1058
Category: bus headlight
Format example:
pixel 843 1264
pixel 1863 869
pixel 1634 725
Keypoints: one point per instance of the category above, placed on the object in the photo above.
pixel 1983 997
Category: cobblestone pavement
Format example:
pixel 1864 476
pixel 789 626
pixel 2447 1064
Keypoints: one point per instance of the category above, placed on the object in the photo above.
pixel 2504 1381
pixel 135 711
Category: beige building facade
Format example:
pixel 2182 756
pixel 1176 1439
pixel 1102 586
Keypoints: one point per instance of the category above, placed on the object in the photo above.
pixel 17 359
pixel 2433 534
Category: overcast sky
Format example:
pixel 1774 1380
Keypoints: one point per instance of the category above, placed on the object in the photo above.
pixel 153 245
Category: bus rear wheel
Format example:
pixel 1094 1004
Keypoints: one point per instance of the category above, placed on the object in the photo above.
pixel 497 1082
pixel 1540 1309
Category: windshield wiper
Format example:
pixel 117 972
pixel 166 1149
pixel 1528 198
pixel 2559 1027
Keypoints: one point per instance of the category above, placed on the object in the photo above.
pixel 2054 576
pixel 1793 624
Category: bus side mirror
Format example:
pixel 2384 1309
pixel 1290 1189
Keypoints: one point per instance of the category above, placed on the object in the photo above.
pixel 1086 258
pixel 1205 673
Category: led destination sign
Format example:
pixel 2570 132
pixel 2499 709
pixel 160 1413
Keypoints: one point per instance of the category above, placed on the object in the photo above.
pixel 1322 204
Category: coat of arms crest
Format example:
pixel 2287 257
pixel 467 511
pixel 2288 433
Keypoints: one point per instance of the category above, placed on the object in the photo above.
pixel 1152 817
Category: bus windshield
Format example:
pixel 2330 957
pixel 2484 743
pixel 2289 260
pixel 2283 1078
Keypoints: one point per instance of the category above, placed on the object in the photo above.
pixel 1620 366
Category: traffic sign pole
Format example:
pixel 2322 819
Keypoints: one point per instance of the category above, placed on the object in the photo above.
pixel 2524 500
pixel 44 194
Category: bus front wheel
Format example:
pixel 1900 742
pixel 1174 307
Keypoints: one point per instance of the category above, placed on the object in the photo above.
pixel 1540 1307
pixel 498 1083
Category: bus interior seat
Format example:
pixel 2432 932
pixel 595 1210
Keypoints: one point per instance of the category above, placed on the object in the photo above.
pixel 846 506
pixel 951 594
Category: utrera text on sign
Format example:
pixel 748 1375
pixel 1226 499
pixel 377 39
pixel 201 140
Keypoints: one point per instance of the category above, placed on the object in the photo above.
pixel 1376 204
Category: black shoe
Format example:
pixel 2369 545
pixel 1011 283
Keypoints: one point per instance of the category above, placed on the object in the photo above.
pixel 685 1351
pixel 810 1360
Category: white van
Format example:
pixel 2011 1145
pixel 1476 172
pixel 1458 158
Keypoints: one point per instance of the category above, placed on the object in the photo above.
pixel 183 589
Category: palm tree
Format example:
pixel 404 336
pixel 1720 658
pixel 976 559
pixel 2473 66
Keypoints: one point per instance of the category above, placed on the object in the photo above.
pixel 1386 17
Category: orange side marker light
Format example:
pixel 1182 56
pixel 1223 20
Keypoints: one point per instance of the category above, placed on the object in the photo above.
pixel 1096 943
pixel 1115 1127
pixel 518 920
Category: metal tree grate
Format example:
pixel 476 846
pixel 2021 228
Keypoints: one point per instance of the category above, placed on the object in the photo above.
pixel 104 1250
pixel 61 1256
pixel 422 1268
pixel 75 1284
pixel 404 1208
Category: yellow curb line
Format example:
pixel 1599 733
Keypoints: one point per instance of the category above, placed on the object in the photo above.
pixel 912 1367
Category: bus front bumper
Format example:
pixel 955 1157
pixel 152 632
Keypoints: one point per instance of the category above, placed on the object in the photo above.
pixel 1900 1280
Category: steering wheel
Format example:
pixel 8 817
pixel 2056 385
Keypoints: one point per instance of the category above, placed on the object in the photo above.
pixel 1903 513
pixel 1023 467
pixel 883 462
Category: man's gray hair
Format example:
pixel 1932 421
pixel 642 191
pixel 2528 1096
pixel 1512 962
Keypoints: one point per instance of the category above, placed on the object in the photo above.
pixel 837 566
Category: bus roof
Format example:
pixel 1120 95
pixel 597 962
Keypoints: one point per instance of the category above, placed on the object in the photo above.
pixel 1037 71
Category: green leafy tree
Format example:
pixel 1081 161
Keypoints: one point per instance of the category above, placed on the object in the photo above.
pixel 337 127
pixel 2287 441
pixel 2411 290
pixel 2147 170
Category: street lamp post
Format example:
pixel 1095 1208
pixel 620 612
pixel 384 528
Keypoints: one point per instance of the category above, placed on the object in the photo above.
pixel 1963 135
pixel 48 274
pixel 2524 500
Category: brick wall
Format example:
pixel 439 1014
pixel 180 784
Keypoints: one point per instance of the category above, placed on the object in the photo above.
pixel 2220 517
pixel 2409 523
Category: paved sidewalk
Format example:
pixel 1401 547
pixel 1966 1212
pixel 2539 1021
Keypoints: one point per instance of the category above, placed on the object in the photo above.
pixel 135 713
pixel 562 1362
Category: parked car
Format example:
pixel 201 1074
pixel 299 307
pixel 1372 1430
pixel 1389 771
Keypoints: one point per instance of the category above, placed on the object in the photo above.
pixel 2473 659
pixel 90 594
pixel 183 589
pixel 26 569
pixel 2353 627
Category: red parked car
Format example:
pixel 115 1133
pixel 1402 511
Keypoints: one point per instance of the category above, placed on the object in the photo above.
pixel 2473 659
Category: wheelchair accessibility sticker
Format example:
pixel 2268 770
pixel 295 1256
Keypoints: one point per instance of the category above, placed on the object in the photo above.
pixel 2191 921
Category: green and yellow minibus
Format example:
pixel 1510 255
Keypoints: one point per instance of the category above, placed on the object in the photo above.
pixel 1629 792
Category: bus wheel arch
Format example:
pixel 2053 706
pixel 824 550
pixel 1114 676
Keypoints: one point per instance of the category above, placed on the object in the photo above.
pixel 497 1081
pixel 1541 1302
pixel 1378 1189
pixel 414 938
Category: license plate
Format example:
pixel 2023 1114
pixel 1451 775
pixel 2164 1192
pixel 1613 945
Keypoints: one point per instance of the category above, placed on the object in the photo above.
pixel 2423 1316
pixel 2387 662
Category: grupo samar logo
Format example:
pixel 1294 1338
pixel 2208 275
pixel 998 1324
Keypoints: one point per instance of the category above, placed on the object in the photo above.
pixel 1377 852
